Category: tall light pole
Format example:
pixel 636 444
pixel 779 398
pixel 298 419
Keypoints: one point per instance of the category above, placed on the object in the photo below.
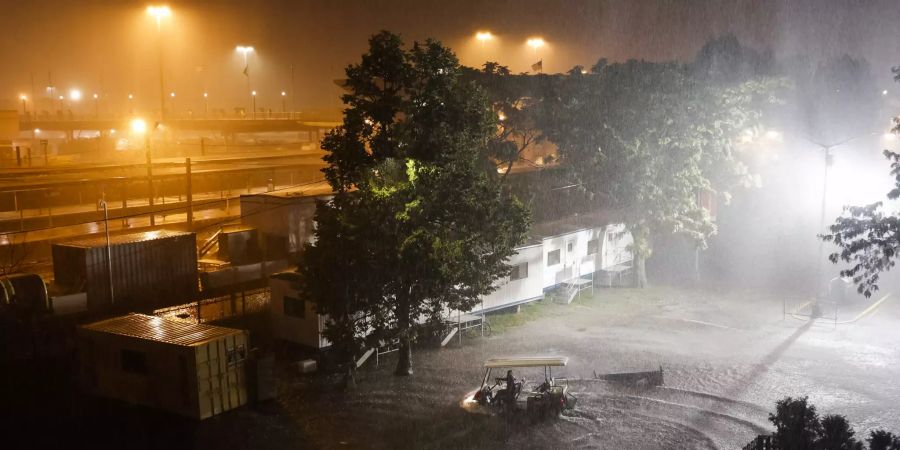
pixel 253 95
pixel 206 104
pixel 283 104
pixel 172 102
pixel 158 12
pixel 484 36
pixel 130 104
pixel 24 99
pixel 246 50
pixel 96 105
pixel 109 265
pixel 535 43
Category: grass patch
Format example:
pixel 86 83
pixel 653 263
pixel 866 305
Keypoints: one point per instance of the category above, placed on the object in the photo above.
pixel 528 312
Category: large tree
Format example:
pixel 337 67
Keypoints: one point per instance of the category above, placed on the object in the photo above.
pixel 416 224
pixel 646 139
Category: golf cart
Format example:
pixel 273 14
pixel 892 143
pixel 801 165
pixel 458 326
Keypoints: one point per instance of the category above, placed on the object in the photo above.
pixel 542 398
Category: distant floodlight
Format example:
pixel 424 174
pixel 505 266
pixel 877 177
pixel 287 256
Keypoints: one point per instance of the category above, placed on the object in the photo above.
pixel 884 92
pixel 74 95
pixel 172 94
pixel 283 93
pixel 484 36
pixel 23 97
pixel 138 126
pixel 205 95
pixel 773 135
pixel 253 93
pixel 889 136
pixel 159 11
pixel 130 97
pixel 535 42
pixel 96 96
pixel 244 49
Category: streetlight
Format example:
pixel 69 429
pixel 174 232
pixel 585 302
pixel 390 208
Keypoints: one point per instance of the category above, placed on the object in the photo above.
pixel 206 103
pixel 130 104
pixel 246 50
pixel 253 95
pixel 172 102
pixel 24 98
pixel 283 105
pixel 109 265
pixel 535 43
pixel 484 36
pixel 74 95
pixel 96 105
pixel 158 12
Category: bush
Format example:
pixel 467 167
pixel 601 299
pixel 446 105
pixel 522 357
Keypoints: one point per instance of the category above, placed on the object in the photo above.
pixel 796 423
pixel 883 440
pixel 837 434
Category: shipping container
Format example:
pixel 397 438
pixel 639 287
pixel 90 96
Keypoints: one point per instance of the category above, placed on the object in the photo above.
pixel 150 270
pixel 193 370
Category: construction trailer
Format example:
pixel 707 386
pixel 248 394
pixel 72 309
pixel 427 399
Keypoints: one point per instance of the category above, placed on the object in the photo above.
pixel 283 218
pixel 150 270
pixel 294 318
pixel 192 370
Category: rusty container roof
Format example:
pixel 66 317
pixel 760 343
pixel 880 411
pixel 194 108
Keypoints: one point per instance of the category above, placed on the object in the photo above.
pixel 143 236
pixel 152 328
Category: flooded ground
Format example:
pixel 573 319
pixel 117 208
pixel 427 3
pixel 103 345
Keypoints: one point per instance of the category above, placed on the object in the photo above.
pixel 726 359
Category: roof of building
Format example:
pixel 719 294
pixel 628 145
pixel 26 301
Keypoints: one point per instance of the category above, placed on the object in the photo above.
pixel 529 361
pixel 152 328
pixel 569 224
pixel 143 236
pixel 305 190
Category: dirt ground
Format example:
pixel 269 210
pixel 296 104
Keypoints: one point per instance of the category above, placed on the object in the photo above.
pixel 726 357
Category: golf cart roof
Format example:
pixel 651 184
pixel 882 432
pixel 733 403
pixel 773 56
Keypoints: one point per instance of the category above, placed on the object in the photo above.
pixel 529 361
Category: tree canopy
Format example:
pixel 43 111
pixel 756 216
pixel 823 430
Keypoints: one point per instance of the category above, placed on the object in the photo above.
pixel 416 224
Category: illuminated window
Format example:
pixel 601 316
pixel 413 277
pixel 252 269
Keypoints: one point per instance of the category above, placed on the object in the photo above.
pixel 553 258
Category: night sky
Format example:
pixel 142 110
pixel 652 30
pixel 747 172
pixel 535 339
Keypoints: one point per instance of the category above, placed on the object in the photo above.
pixel 109 47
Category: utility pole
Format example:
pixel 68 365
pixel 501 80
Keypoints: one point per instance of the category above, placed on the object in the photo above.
pixel 150 183
pixel 109 266
pixel 190 194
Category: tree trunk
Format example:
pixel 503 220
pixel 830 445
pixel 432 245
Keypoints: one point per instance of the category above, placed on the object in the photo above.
pixel 641 251
pixel 404 359
pixel 640 271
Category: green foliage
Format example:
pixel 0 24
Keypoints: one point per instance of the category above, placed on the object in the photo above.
pixel 883 440
pixel 868 239
pixel 796 424
pixel 836 434
pixel 646 138
pixel 416 224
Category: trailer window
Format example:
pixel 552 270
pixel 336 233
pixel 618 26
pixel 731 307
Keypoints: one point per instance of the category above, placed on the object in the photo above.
pixel 553 258
pixel 134 361
pixel 593 246
pixel 519 271
pixel 294 307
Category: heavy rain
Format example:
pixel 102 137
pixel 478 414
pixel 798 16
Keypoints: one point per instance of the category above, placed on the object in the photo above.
pixel 661 224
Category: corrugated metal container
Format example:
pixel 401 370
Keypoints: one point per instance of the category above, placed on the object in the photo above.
pixel 151 269
pixel 238 245
pixel 192 370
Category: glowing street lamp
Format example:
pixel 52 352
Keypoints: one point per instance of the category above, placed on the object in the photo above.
pixel 24 99
pixel 246 50
pixel 283 98
pixel 484 36
pixel 253 95
pixel 96 105
pixel 138 126
pixel 74 95
pixel 206 103
pixel 535 43
pixel 158 12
